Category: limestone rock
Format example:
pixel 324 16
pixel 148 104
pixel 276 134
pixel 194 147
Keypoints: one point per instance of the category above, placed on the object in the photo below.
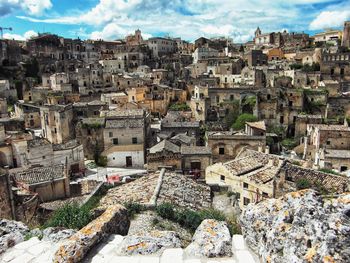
pixel 299 227
pixel 154 242
pixel 56 234
pixel 211 239
pixel 113 221
pixel 11 233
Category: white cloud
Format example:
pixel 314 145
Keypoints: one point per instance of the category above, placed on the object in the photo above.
pixel 36 7
pixel 31 7
pixel 329 19
pixel 26 35
pixel 112 19
pixel 110 32
pixel 218 30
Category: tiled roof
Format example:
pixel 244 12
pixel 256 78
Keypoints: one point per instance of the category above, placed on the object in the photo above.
pixel 174 124
pixel 330 182
pixel 183 138
pixel 243 165
pixel 125 123
pixel 190 150
pixel 39 174
pixel 133 113
pixel 165 145
pixel 325 127
pixel 264 175
pixel 342 154
pixel 258 124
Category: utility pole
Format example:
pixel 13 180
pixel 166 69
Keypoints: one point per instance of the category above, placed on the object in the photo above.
pixel 2 31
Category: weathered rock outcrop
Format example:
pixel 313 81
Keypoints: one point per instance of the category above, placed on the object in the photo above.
pixel 211 239
pixel 113 221
pixel 56 234
pixel 11 233
pixel 299 227
pixel 154 242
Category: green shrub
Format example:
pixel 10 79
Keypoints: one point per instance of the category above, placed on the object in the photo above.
pixel 290 143
pixel 70 216
pixel 133 209
pixel 230 193
pixel 179 107
pixel 102 161
pixel 328 171
pixel 166 210
pixel 212 214
pixel 192 219
pixel 239 124
pixel 303 183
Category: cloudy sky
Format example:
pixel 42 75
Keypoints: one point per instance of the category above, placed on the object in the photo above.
pixel 189 19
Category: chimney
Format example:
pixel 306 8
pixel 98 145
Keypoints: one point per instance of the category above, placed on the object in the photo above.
pixel 267 149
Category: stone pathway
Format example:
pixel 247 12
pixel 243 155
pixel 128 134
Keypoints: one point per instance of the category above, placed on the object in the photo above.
pixel 143 223
pixel 36 251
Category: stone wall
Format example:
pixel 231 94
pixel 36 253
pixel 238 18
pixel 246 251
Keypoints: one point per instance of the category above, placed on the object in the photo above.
pixel 113 221
pixel 5 205
pixel 184 192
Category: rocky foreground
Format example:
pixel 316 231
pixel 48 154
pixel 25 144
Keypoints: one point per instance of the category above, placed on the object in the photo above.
pixel 299 227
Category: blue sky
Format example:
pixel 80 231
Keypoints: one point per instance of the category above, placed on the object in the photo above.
pixel 189 19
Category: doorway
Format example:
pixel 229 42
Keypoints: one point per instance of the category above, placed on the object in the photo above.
pixel 128 161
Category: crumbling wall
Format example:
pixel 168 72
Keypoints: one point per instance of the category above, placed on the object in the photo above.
pixel 5 204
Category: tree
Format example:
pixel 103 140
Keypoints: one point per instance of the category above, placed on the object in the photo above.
pixel 239 124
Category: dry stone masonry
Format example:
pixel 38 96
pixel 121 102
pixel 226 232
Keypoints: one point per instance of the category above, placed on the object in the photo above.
pixel 299 227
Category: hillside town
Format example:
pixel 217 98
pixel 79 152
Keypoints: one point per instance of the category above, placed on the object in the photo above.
pixel 165 150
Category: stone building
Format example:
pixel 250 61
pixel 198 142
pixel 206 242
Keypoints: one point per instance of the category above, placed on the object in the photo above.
pixel 56 123
pixel 161 46
pixel 125 134
pixel 195 159
pixel 30 114
pixel 336 65
pixel 254 176
pixel 60 82
pixel 89 133
pixel 50 183
pixel 256 58
pixel 3 108
pixel 346 35
pixel 164 154
pixel 226 145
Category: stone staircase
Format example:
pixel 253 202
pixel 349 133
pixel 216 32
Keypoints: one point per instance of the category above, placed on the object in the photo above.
pixel 37 251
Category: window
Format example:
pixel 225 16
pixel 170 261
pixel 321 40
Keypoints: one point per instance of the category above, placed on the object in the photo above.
pixel 246 201
pixel 110 134
pixel 265 195
pixel 328 142
pixel 115 141
pixel 221 150
pixel 222 177
pixel 134 140
pixel 245 185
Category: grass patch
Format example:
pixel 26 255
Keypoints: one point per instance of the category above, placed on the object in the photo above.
pixel 73 215
pixel 133 209
pixel 190 219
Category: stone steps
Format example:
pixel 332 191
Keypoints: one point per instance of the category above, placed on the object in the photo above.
pixel 38 251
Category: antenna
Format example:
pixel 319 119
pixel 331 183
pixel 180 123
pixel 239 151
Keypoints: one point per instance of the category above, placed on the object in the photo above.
pixel 2 31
